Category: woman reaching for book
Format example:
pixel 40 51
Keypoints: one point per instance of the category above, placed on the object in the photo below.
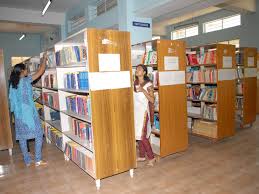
pixel 27 121
pixel 143 97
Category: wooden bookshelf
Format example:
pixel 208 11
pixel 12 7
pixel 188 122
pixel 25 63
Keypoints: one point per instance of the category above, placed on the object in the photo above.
pixel 5 128
pixel 219 60
pixel 257 96
pixel 247 81
pixel 172 137
pixel 111 149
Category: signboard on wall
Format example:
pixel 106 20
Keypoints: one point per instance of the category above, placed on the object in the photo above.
pixel 141 24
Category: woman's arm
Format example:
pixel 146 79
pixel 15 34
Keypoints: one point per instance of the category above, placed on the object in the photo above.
pixel 41 69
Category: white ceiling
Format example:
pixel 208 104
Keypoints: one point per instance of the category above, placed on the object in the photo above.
pixel 56 6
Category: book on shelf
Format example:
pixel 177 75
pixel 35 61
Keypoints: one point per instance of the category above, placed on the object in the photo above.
pixel 77 80
pixel 51 62
pixel 239 88
pixel 240 73
pixel 50 80
pixel 205 128
pixel 51 99
pixel 202 58
pixel 150 58
pixel 54 115
pixel 209 112
pixel 82 130
pixel 71 54
pixel 240 57
pixel 34 67
pixel 55 136
pixel 156 122
pixel 208 94
pixel 156 103
pixel 78 154
pixel 239 103
pixel 79 105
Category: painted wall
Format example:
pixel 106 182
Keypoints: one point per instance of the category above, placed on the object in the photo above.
pixel 247 32
pixel 29 46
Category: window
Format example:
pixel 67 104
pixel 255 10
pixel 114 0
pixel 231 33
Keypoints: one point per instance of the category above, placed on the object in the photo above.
pixel 222 23
pixel 185 32
pixel 233 42
pixel 231 21
pixel 156 37
pixel 212 26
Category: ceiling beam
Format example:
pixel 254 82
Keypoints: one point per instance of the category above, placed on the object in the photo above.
pixel 29 16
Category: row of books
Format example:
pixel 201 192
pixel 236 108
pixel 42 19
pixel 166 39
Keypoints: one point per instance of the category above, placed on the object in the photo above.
pixel 54 136
pixel 150 58
pixel 51 99
pixel 78 154
pixel 82 130
pixel 204 94
pixel 153 76
pixel 209 112
pixel 78 80
pixel 156 122
pixel 50 80
pixel 156 103
pixel 200 76
pixel 71 54
pixel 240 57
pixel 79 105
pixel 33 67
pixel 202 58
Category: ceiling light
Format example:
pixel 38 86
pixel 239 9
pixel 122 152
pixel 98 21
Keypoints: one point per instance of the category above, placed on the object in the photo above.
pixel 22 37
pixel 46 7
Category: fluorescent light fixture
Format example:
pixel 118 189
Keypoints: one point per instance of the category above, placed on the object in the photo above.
pixel 22 37
pixel 46 7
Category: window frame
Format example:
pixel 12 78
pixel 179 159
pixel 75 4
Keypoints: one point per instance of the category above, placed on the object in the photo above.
pixel 184 29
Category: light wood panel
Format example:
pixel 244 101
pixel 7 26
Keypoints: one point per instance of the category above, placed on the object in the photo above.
pixel 172 102
pixel 249 112
pixel 226 108
pixel 257 98
pixel 171 48
pixel 112 110
pixel 5 128
pixel 173 119
pixel 225 50
pixel 249 52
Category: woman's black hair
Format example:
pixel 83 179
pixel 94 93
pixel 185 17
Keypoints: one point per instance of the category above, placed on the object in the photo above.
pixel 15 74
pixel 146 78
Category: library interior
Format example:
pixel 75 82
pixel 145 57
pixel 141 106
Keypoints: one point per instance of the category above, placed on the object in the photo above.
pixel 129 96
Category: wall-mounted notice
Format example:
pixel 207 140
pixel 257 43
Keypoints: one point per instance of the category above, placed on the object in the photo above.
pixel 227 62
pixel 109 80
pixel 250 61
pixel 250 72
pixel 167 78
pixel 226 74
pixel 171 63
pixel 109 62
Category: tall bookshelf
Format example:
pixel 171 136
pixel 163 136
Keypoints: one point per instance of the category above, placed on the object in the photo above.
pixel 246 59
pixel 257 98
pixel 96 128
pixel 211 90
pixel 165 60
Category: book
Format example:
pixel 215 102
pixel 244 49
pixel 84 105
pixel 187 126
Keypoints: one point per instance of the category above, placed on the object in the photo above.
pixel 82 130
pixel 208 57
pixel 77 80
pixel 209 112
pixel 79 105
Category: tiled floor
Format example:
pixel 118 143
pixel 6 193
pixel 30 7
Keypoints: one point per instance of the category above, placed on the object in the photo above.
pixel 226 167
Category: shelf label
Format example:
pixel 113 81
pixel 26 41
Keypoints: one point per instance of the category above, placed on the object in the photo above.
pixel 109 62
pixel 167 78
pixel 250 62
pixel 250 72
pixel 109 80
pixel 227 62
pixel 226 74
pixel 171 63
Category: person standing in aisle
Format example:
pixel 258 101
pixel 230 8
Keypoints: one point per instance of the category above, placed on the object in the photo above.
pixel 143 96
pixel 27 121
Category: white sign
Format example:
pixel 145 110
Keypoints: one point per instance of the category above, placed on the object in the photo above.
pixel 250 62
pixel 250 72
pixel 109 80
pixel 167 78
pixel 171 63
pixel 226 74
pixel 227 62
pixel 109 62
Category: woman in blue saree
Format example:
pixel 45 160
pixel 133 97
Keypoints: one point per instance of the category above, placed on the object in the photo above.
pixel 27 121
